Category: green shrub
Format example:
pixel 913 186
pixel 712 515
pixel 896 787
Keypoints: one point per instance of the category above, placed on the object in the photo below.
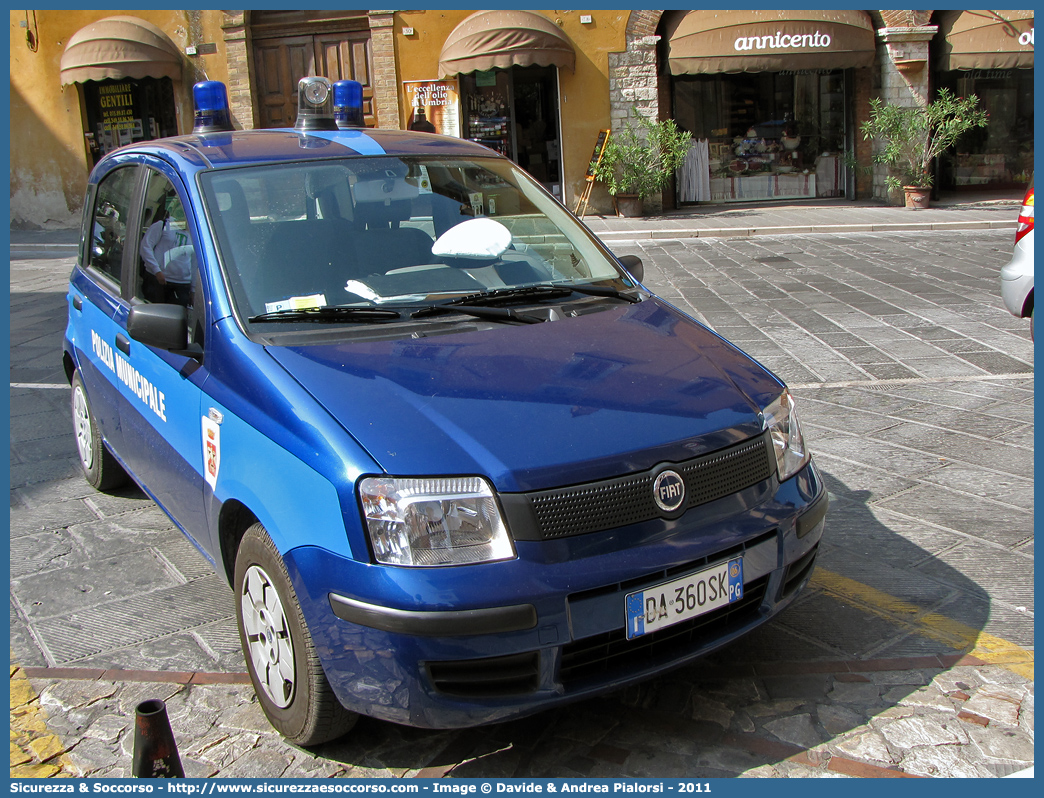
pixel 913 137
pixel 640 159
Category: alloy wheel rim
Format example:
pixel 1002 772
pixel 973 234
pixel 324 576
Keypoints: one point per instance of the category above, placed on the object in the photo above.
pixel 82 421
pixel 268 637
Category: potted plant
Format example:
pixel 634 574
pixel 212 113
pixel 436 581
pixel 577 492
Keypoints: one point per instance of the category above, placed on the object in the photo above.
pixel 912 137
pixel 639 160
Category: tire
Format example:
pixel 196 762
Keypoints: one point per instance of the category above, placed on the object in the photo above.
pixel 280 656
pixel 100 467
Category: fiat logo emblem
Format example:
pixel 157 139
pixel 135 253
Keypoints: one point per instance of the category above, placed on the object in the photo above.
pixel 669 491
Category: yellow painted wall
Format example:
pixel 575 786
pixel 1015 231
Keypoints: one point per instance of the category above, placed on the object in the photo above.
pixel 47 120
pixel 584 94
pixel 49 161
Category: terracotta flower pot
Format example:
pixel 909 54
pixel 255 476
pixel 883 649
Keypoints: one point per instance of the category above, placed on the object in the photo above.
pixel 629 205
pixel 917 197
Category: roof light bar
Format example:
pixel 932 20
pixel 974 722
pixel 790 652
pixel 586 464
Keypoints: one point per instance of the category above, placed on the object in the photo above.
pixel 314 105
pixel 348 104
pixel 210 101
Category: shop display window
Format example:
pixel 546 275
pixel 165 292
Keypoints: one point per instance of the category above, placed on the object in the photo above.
pixel 124 111
pixel 768 135
pixel 515 112
pixel 999 155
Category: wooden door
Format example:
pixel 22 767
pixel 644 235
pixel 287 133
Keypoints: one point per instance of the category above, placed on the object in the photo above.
pixel 279 64
pixel 347 56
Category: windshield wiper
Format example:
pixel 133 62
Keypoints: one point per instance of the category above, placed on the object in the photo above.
pixel 331 314
pixel 479 311
pixel 537 293
pixel 498 295
pixel 602 290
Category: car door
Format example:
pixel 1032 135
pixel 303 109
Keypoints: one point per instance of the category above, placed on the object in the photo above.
pixel 95 296
pixel 161 391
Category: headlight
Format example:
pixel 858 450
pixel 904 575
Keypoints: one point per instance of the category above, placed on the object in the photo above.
pixel 787 443
pixel 450 521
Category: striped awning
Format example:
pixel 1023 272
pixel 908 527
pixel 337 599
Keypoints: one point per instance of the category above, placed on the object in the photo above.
pixel 985 40
pixel 711 42
pixel 117 48
pixel 502 39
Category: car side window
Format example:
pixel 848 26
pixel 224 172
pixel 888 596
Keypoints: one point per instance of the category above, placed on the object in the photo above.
pixel 166 256
pixel 168 269
pixel 112 207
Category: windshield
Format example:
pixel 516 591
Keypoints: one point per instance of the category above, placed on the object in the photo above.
pixel 390 231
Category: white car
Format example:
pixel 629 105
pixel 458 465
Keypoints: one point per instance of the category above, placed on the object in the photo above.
pixel 1017 274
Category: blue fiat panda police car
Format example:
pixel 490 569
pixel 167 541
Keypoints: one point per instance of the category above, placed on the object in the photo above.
pixel 456 462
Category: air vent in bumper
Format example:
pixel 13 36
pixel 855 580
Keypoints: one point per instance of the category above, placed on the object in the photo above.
pixel 797 571
pixel 515 674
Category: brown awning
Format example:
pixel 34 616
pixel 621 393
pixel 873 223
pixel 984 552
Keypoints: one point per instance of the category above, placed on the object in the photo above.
pixel 504 39
pixel 120 47
pixel 985 40
pixel 709 42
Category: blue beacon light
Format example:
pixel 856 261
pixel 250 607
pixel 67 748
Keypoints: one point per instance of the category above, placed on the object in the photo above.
pixel 210 100
pixel 348 104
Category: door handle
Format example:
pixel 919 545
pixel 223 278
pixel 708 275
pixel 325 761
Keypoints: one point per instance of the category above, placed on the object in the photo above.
pixel 77 303
pixel 123 344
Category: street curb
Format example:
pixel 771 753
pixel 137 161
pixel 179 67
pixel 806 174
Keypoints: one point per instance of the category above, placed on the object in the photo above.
pixel 120 675
pixel 749 232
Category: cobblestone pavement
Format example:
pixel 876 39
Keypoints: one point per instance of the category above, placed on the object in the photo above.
pixel 36 751
pixel 910 654
pixel 916 716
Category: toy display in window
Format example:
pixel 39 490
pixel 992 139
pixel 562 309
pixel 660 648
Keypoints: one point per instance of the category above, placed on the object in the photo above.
pixel 790 158
pixel 751 154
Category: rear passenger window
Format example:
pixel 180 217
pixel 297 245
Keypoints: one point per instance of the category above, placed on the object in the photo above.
pixel 112 206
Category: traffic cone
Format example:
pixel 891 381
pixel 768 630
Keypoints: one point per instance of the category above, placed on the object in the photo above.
pixel 155 752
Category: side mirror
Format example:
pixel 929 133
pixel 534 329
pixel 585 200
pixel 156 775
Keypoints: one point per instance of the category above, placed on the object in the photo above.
pixel 161 326
pixel 634 266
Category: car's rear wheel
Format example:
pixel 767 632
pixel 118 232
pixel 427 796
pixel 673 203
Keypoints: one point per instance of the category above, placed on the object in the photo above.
pixel 99 466
pixel 284 668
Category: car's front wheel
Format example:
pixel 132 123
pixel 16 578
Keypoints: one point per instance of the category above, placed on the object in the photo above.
pixel 100 467
pixel 284 668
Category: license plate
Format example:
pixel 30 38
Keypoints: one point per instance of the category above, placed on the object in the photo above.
pixel 687 597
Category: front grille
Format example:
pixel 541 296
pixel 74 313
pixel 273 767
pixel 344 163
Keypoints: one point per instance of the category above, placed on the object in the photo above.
pixel 514 674
pixel 603 653
pixel 612 503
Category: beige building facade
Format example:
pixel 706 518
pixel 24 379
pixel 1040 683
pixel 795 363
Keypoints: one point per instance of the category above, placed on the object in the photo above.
pixel 538 86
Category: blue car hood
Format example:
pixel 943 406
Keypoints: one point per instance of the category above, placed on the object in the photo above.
pixel 541 405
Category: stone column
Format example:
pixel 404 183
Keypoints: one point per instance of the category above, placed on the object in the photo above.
pixel 385 75
pixel 902 52
pixel 237 55
pixel 633 92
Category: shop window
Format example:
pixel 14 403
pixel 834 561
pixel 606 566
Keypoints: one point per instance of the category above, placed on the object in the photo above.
pixel 123 111
pixel 515 112
pixel 1001 154
pixel 767 135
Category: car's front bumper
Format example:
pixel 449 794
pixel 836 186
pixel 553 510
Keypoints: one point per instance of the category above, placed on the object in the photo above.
pixel 455 647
